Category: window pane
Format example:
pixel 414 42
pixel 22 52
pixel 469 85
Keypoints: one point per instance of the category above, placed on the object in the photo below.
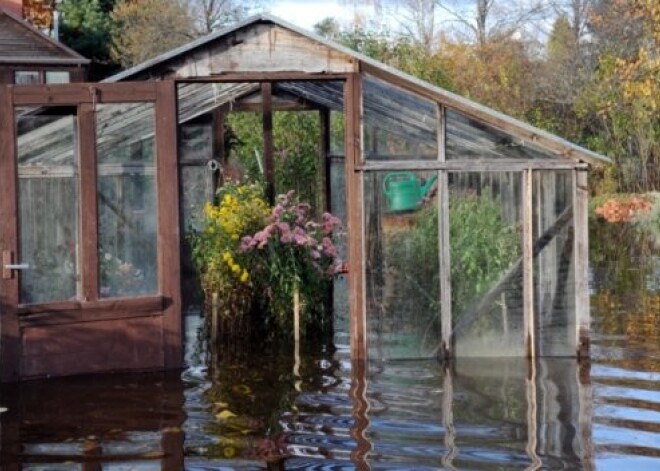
pixel 57 76
pixel 554 266
pixel 127 200
pixel 48 205
pixel 485 218
pixel 26 77
pixel 473 140
pixel 398 125
pixel 402 264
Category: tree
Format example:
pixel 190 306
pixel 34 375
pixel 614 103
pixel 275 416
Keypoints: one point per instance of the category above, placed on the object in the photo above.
pixel 145 28
pixel 622 103
pixel 86 27
pixel 211 15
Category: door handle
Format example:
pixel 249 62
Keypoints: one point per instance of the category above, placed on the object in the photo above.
pixel 8 265
pixel 17 266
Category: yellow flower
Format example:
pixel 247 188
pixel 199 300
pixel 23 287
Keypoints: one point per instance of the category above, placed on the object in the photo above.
pixel 245 277
pixel 235 268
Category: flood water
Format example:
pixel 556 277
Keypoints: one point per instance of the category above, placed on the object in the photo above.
pixel 264 410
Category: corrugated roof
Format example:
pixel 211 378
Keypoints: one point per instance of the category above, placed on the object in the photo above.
pixel 21 43
pixel 474 110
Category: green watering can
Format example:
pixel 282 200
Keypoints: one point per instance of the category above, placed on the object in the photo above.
pixel 404 191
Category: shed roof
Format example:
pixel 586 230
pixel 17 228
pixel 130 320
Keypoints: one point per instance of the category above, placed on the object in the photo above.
pixel 22 43
pixel 477 113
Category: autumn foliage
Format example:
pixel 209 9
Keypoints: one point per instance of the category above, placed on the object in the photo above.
pixel 616 210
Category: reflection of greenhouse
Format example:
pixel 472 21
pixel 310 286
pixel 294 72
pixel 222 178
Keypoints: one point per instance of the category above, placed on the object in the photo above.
pixel 467 228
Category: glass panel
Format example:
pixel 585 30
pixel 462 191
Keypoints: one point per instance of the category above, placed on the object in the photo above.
pixel 398 125
pixel 27 77
pixel 402 265
pixel 48 205
pixel 57 76
pixel 470 139
pixel 485 216
pixel 127 199
pixel 196 141
pixel 554 264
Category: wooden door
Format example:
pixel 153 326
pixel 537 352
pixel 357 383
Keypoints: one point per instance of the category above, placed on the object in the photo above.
pixel 89 230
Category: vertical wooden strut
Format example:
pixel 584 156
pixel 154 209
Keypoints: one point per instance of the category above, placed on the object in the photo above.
pixel 446 350
pixel 528 264
pixel 269 166
pixel 355 211
pixel 581 241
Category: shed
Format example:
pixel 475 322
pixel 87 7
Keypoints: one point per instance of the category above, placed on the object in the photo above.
pixel 467 229
pixel 27 56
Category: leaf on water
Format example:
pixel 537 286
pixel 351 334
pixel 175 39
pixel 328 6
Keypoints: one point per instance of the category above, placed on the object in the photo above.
pixel 225 415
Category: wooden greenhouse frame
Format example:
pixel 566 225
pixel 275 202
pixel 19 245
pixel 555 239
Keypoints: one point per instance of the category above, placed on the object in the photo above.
pixel 267 65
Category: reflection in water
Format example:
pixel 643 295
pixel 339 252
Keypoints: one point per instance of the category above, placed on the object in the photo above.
pixel 259 410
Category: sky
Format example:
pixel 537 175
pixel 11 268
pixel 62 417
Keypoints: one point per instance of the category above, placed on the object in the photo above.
pixel 306 13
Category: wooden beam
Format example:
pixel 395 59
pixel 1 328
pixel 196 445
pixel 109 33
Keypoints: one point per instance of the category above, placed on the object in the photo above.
pixel 88 214
pixel 528 264
pixel 446 346
pixel 498 165
pixel 169 247
pixel 75 93
pixel 581 251
pixel 355 211
pixel 324 151
pixel 269 164
pixel 10 345
pixel 265 77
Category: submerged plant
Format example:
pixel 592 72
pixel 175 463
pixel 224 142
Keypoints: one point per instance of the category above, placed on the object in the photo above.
pixel 255 257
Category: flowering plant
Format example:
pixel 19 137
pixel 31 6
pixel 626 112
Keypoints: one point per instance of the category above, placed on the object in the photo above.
pixel 241 209
pixel 255 257
pixel 293 253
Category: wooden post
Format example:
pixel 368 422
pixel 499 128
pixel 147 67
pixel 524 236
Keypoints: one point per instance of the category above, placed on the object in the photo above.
pixel 528 265
pixel 585 414
pixel 218 151
pixel 446 350
pixel 10 345
pixel 269 165
pixel 89 260
pixel 581 241
pixel 169 264
pixel 361 406
pixel 355 208
pixel 324 152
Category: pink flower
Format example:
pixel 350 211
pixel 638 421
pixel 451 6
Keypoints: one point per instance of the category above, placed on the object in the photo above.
pixel 247 243
pixel 299 236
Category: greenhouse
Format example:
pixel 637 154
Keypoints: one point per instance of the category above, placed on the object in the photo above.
pixel 466 230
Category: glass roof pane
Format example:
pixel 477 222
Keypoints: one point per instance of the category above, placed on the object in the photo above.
pixel 398 125
pixel 469 139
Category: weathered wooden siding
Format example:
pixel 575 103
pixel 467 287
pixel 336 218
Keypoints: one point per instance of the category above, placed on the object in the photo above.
pixel 264 47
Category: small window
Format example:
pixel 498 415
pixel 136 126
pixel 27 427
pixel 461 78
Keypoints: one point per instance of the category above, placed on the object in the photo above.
pixel 57 76
pixel 27 77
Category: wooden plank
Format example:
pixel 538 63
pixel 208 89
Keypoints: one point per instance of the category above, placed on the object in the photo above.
pixel 32 312
pixel 499 165
pixel 355 209
pixel 87 161
pixel 115 345
pixel 528 265
pixel 446 346
pixel 269 164
pixel 75 93
pixel 169 247
pixel 9 288
pixel 581 250
pixel 242 77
